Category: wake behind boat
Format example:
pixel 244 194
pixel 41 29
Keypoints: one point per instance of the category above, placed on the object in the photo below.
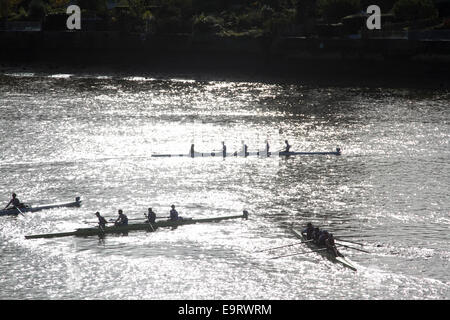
pixel 85 232
pixel 19 210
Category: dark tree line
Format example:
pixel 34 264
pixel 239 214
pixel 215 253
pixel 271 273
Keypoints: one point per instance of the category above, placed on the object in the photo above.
pixel 217 16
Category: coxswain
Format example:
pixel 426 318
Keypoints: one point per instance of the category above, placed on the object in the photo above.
pixel 245 150
pixel 122 220
pixel 267 147
pixel 224 149
pixel 14 202
pixel 151 216
pixel 101 221
pixel 338 151
pixel 191 153
pixel 173 214
pixel 308 231
pixel 288 146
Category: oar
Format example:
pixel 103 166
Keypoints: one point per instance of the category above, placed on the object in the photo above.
pixel 112 219
pixel 339 239
pixel 149 222
pixel 289 245
pixel 155 218
pixel 341 245
pixel 354 236
pixel 288 255
pixel 20 211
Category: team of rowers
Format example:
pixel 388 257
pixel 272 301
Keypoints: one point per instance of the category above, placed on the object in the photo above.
pixel 122 219
pixel 224 149
pixel 321 238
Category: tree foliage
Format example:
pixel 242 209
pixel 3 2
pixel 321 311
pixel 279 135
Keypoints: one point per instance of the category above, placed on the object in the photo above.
pixel 385 5
pixel 98 6
pixel 334 10
pixel 410 10
pixel 8 7
pixel 137 8
pixel 58 3
pixel 205 23
pixel 36 10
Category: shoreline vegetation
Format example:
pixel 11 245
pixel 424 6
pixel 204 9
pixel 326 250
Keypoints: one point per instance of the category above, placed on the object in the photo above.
pixel 313 41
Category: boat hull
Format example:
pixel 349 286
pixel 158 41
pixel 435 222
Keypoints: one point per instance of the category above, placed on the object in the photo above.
pixel 15 211
pixel 325 253
pixel 86 232
pixel 241 154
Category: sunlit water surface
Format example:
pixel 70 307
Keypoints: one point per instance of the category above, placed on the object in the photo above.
pixel 62 136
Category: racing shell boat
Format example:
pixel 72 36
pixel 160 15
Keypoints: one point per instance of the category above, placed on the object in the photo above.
pixel 241 154
pixel 15 211
pixel 326 253
pixel 85 232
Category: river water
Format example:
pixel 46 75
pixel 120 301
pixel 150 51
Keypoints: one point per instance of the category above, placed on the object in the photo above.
pixel 92 136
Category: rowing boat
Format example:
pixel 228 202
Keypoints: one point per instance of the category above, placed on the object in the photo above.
pixel 15 211
pixel 85 232
pixel 241 154
pixel 326 253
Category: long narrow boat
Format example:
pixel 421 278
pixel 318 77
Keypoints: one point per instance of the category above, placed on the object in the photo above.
pixel 15 211
pixel 326 253
pixel 85 232
pixel 241 154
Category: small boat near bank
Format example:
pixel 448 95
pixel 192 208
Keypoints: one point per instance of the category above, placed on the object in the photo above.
pixel 326 253
pixel 86 232
pixel 15 211
pixel 241 154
